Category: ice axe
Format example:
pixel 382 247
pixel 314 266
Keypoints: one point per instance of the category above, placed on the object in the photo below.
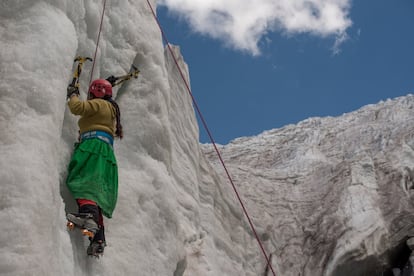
pixel 78 70
pixel 133 73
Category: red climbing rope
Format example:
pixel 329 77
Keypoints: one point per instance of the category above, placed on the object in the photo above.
pixel 212 141
pixel 97 42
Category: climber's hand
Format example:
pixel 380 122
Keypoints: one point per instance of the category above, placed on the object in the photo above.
pixel 72 90
pixel 112 79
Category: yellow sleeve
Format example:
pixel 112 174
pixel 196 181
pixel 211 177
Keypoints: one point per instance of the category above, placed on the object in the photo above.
pixel 83 108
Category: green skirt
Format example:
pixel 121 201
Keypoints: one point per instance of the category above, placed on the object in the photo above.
pixel 93 174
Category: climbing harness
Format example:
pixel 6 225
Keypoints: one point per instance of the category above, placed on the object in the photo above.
pixel 268 261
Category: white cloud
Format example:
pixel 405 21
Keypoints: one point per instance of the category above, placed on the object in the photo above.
pixel 242 23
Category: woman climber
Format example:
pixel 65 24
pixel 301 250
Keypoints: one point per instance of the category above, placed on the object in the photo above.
pixel 93 172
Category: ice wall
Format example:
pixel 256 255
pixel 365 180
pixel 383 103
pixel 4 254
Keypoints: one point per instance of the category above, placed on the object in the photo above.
pixel 172 217
pixel 38 42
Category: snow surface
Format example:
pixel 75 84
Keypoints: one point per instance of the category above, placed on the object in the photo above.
pixel 172 217
pixel 312 188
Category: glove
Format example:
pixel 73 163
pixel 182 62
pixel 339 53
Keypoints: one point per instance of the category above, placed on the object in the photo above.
pixel 72 90
pixel 112 79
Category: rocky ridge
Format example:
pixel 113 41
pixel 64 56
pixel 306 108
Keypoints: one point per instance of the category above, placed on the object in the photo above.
pixel 331 196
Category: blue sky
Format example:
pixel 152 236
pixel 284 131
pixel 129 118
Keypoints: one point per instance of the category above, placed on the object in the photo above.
pixel 294 73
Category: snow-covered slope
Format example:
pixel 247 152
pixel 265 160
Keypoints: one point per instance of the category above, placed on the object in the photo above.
pixel 333 195
pixel 324 194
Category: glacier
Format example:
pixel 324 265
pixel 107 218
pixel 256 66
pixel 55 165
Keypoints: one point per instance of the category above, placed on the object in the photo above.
pixel 328 196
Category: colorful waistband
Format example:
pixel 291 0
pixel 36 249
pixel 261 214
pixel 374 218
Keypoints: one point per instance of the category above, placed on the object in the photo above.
pixel 101 135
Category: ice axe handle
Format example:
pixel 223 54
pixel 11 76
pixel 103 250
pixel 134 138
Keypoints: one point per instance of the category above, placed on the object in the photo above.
pixel 82 59
pixel 76 74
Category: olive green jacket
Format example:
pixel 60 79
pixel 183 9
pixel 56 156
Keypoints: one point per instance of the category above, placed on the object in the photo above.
pixel 96 114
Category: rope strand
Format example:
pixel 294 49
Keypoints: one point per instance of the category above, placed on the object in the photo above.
pixel 97 43
pixel 213 142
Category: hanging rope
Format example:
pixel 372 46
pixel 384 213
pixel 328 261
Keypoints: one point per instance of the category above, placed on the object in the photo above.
pixel 97 42
pixel 213 142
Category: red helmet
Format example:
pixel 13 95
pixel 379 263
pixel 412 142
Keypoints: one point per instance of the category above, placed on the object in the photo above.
pixel 100 88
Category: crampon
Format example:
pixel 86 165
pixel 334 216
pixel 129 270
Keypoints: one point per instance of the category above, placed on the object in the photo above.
pixel 96 249
pixel 84 222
